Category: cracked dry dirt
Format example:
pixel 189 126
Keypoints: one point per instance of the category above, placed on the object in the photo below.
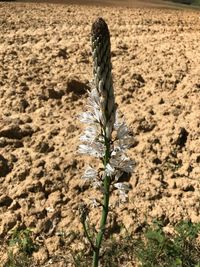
pixel 45 69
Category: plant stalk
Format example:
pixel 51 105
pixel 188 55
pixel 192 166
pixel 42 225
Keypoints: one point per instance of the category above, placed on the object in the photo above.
pixel 88 236
pixel 105 208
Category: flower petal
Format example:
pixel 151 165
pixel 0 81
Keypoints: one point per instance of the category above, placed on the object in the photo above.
pixel 90 174
pixel 122 186
pixel 109 170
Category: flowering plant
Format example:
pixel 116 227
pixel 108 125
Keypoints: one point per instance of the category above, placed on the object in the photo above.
pixel 107 137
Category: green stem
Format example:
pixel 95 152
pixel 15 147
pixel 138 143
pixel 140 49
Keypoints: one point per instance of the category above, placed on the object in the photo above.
pixel 104 210
pixel 88 236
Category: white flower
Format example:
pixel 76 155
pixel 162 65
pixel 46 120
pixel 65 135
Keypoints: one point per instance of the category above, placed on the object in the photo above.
pixel 95 149
pixel 84 149
pixel 117 151
pixel 93 94
pixel 125 142
pixel 98 185
pixel 118 174
pixel 118 120
pixel 123 191
pixel 123 138
pixel 87 138
pixel 89 135
pixel 90 174
pixel 123 196
pixel 94 99
pixel 120 161
pixel 109 170
pixel 122 131
pixel 122 186
pixel 87 117
pixel 94 115
pixel 97 114
pixel 127 165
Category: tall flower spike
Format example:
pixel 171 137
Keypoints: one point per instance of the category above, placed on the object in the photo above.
pixel 102 74
pixel 102 119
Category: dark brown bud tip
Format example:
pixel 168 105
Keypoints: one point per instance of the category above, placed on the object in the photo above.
pixel 100 29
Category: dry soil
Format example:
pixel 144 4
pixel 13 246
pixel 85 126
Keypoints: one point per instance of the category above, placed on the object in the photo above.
pixel 45 69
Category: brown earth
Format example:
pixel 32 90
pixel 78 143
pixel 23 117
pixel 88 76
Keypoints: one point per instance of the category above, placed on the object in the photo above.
pixel 45 69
